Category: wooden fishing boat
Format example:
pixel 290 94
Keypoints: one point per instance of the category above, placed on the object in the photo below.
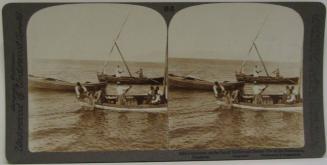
pixel 102 77
pixel 269 103
pixel 129 103
pixel 129 80
pixel 182 82
pixel 298 108
pixel 133 103
pixel 249 78
pixel 37 82
pixel 266 79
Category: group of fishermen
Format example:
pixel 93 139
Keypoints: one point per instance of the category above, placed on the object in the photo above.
pixel 290 96
pixel 257 71
pixel 229 95
pixel 120 71
pixel 100 96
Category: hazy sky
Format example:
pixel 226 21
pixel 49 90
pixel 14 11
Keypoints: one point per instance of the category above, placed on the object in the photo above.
pixel 218 31
pixel 226 31
pixel 86 31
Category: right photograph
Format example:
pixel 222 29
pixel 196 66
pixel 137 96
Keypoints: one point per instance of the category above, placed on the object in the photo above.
pixel 235 77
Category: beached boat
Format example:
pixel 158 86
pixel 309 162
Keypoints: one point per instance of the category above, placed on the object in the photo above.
pixel 263 107
pixel 129 80
pixel 184 82
pixel 37 82
pixel 266 79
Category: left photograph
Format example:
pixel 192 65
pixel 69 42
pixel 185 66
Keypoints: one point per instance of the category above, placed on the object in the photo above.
pixel 97 78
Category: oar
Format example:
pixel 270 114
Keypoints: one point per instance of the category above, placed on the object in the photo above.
pixel 291 81
pixel 153 80
pixel 264 89
pixel 149 79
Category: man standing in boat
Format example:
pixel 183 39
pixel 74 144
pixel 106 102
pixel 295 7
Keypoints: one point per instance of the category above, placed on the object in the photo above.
pixel 100 95
pixel 140 72
pixel 257 91
pixel 121 91
pixel 256 71
pixel 119 71
pixel 276 72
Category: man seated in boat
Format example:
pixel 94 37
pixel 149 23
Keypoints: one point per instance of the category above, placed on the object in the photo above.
pixel 140 72
pixel 256 71
pixel 156 98
pixel 286 93
pixel 257 91
pixel 291 95
pixel 81 91
pixel 121 91
pixel 150 94
pixel 119 71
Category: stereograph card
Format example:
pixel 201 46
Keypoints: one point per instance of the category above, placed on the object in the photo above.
pixel 120 82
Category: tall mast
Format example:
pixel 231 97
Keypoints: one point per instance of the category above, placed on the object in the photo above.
pixel 117 37
pixel 261 60
pixel 255 38
pixel 165 82
pixel 122 57
pixel 300 85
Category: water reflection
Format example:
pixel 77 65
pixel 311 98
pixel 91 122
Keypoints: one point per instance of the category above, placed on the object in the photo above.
pixel 202 128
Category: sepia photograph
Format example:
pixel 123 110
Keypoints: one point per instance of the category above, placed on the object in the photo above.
pixel 114 77
pixel 110 82
pixel 97 78
pixel 235 77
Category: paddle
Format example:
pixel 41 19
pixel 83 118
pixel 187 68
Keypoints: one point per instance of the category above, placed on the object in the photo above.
pixel 293 82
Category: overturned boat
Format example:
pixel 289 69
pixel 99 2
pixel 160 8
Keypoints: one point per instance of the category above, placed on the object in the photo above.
pixel 187 82
pixel 129 80
pixel 38 82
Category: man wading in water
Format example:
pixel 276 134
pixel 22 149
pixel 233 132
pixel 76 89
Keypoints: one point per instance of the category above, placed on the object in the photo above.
pixel 81 91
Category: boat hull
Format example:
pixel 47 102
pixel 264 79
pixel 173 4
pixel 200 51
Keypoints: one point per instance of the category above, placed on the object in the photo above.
pixel 126 109
pixel 161 108
pixel 35 82
pixel 180 82
pixel 129 80
pixel 297 108
pixel 266 79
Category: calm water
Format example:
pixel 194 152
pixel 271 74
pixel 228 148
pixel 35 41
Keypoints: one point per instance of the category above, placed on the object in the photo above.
pixel 56 122
pixel 196 123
